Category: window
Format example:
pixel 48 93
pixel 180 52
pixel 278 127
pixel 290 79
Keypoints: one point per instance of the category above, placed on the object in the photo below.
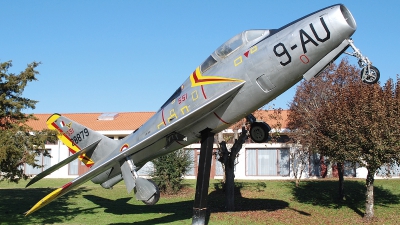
pixel 40 160
pixel 107 116
pixel 284 162
pixel 210 61
pixel 254 34
pixel 192 166
pixel 385 170
pixel 267 162
pixel 219 170
pixel 73 166
pixel 230 46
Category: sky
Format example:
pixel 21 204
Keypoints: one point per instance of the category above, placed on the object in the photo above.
pixel 130 56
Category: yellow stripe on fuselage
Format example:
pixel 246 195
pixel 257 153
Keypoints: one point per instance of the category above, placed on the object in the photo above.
pixel 197 79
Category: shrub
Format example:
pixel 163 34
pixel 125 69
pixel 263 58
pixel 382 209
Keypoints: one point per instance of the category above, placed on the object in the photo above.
pixel 170 169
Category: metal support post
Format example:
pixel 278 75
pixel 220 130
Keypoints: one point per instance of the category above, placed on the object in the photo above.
pixel 203 178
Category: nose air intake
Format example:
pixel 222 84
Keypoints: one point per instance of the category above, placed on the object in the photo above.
pixel 348 17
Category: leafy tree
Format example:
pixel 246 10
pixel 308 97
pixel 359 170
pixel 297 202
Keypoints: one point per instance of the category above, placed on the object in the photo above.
pixel 310 98
pixel 19 144
pixel 366 129
pixel 169 170
pixel 339 116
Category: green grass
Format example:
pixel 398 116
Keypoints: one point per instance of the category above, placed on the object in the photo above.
pixel 256 202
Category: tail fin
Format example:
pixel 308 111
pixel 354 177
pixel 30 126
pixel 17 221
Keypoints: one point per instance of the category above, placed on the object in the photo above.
pixel 76 137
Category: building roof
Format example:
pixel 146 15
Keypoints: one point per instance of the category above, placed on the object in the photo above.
pixel 283 120
pixel 124 121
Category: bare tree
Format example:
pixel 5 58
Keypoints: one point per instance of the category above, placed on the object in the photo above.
pixel 230 146
pixel 298 161
pixel 227 158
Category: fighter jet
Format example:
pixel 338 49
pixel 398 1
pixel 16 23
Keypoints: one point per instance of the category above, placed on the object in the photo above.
pixel 242 75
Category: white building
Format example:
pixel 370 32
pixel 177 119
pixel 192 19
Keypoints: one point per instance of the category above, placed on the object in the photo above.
pixel 255 161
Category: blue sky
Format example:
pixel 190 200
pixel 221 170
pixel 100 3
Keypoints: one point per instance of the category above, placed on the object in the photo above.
pixel 126 56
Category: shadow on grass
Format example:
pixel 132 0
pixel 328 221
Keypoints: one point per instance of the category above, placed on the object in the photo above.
pixel 15 202
pixel 325 193
pixel 176 211
pixel 217 199
pixel 183 210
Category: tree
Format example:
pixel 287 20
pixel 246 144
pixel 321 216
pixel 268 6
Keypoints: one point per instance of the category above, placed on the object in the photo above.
pixel 19 144
pixel 227 154
pixel 169 170
pixel 310 99
pixel 365 129
pixel 299 154
pixel 339 116
pixel 227 158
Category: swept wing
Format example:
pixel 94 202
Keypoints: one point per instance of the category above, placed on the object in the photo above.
pixel 112 160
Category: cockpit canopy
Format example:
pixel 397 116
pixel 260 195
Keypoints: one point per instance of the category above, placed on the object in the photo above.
pixel 224 51
pixel 232 45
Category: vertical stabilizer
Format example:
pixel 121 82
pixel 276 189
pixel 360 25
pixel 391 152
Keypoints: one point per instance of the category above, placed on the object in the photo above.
pixel 77 137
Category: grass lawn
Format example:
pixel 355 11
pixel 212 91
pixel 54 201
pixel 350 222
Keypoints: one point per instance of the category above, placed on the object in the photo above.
pixel 257 202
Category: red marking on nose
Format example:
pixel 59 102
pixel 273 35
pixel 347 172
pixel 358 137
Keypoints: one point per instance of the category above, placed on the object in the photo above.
pixel 304 59
pixel 204 93
pixel 220 118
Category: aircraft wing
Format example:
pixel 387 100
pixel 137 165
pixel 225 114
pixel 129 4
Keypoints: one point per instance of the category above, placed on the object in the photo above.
pixel 114 159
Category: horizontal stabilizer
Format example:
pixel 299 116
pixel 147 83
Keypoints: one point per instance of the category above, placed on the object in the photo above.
pixel 43 174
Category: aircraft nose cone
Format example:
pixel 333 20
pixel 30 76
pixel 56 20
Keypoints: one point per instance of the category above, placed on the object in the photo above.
pixel 348 17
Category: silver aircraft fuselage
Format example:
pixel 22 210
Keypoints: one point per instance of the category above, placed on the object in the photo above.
pixel 242 75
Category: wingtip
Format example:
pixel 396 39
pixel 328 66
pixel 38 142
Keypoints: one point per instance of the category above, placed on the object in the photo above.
pixel 29 184
pixel 32 181
pixel 46 200
pixel 33 209
pixel 27 213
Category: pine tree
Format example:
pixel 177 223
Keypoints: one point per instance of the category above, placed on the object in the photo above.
pixel 19 144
